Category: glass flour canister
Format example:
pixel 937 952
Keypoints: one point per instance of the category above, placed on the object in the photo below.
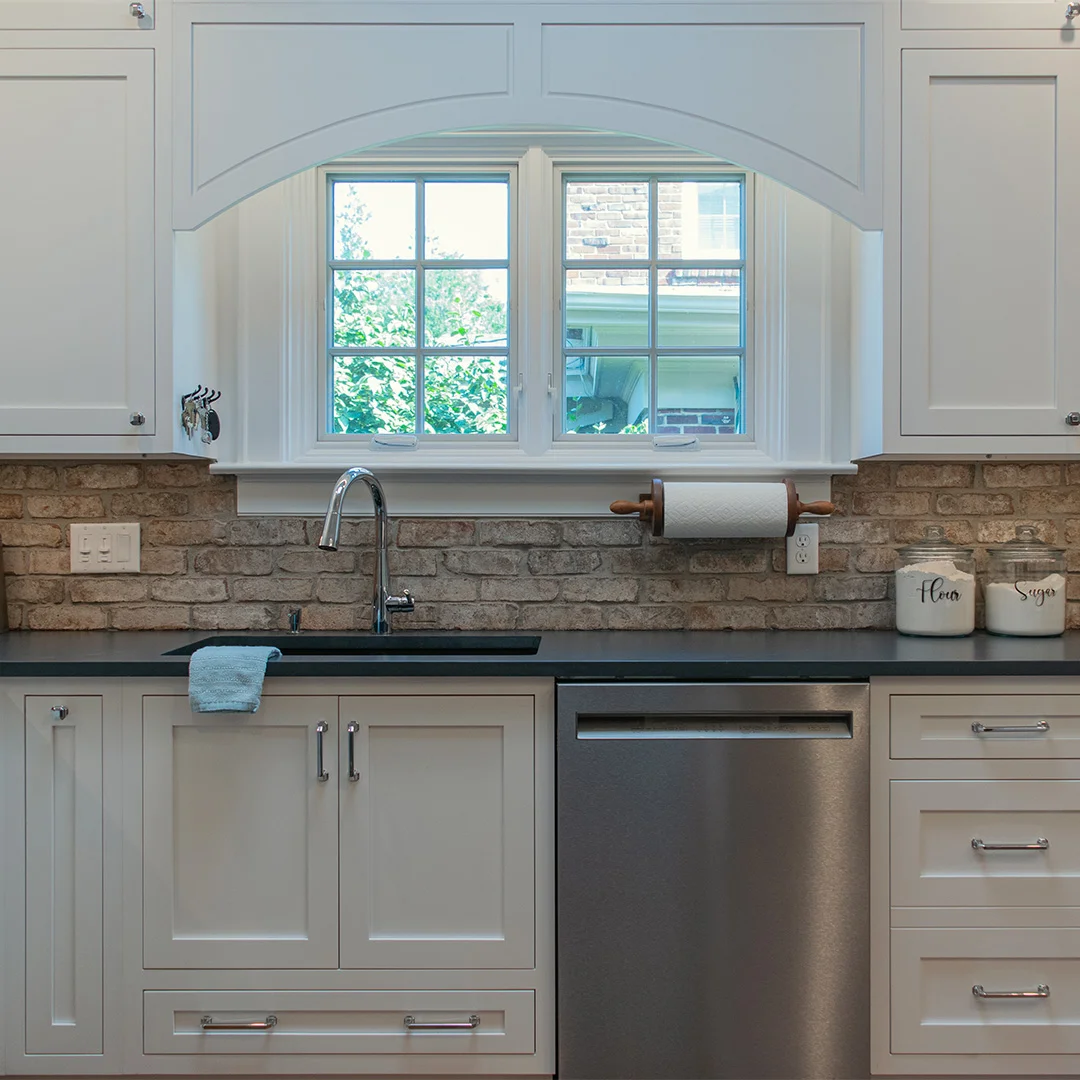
pixel 1025 587
pixel 935 587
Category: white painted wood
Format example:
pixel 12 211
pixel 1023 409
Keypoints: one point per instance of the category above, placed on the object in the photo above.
pixel 73 15
pixel 977 14
pixel 341 1022
pixel 991 251
pixel 935 1012
pixel 437 835
pixel 77 296
pixel 940 726
pixel 934 822
pixel 64 862
pixel 239 837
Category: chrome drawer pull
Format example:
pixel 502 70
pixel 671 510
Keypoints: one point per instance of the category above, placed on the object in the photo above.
pixel 1040 845
pixel 352 729
pixel 208 1024
pixel 320 773
pixel 1040 991
pixel 413 1024
pixel 1011 729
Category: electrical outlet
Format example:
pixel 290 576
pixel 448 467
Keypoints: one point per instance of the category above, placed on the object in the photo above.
pixel 802 549
pixel 105 549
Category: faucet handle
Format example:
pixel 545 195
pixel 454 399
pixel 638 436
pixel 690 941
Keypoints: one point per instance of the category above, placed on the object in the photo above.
pixel 400 603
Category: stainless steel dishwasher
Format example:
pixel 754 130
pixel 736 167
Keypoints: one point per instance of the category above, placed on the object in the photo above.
pixel 713 881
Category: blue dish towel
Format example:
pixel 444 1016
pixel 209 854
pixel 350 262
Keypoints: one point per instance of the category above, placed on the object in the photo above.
pixel 228 678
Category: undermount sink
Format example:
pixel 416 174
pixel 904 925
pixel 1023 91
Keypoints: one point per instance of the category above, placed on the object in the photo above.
pixel 376 645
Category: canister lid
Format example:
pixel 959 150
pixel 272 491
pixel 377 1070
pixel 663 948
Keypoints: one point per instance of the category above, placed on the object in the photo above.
pixel 1026 545
pixel 935 545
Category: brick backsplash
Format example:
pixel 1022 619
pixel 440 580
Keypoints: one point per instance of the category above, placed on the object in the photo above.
pixel 203 567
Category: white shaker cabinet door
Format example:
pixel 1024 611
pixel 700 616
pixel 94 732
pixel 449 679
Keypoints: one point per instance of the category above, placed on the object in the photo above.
pixel 240 835
pixel 77 241
pixel 990 237
pixel 64 875
pixel 76 15
pixel 437 865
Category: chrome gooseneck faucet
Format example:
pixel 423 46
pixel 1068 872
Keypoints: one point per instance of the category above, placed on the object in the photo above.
pixel 382 603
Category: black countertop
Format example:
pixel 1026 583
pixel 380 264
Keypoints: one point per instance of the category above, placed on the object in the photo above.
pixel 720 655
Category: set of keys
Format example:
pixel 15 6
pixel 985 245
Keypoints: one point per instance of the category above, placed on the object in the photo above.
pixel 197 411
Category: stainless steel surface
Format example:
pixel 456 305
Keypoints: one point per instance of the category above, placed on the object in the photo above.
pixel 137 418
pixel 1071 11
pixel 713 889
pixel 320 730
pixel 382 603
pixel 294 620
pixel 208 1023
pixel 1010 729
pixel 352 729
pixel 413 1024
pixel 1040 845
pixel 60 712
pixel 1073 418
pixel 1041 991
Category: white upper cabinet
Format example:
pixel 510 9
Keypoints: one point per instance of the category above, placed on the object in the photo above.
pixel 76 15
pixel 979 15
pixel 77 242
pixel 990 237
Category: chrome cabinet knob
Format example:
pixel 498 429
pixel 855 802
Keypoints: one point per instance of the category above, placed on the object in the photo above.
pixel 1072 10
pixel 138 419
pixel 59 712
pixel 1073 418
pixel 139 12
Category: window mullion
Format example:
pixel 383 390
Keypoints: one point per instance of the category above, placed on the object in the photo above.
pixel 654 302
pixel 420 283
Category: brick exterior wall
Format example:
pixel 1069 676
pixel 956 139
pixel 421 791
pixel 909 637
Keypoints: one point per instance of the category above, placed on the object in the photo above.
pixel 205 568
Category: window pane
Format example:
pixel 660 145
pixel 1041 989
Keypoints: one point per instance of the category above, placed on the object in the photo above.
pixel 607 307
pixel 607 395
pixel 374 308
pixel 465 395
pixel 607 219
pixel 698 395
pixel 375 220
pixel 374 394
pixel 699 220
pixel 465 307
pixel 699 307
pixel 466 220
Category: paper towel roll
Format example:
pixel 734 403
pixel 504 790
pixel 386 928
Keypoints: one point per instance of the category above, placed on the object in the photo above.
pixel 725 510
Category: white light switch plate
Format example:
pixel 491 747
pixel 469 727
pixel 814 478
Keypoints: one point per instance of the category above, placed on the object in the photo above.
pixel 110 548
pixel 802 549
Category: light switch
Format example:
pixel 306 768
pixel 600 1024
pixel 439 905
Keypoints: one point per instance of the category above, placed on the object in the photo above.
pixel 110 548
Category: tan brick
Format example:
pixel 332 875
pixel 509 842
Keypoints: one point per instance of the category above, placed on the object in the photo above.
pixel 65 618
pixel 428 590
pixel 600 590
pixel 268 532
pixel 21 477
pixel 651 559
pixel 913 531
pixel 729 561
pixel 875 560
pixel 830 560
pixel 233 617
pixel 36 590
pixel 155 504
pixel 179 475
pixel 484 563
pixel 892 503
pixel 113 589
pixel 342 590
pixel 809 617
pixel 317 562
pixel 602 533
pixel 526 588
pixel 549 563
pixel 846 531
pixel 477 616
pixel 410 562
pixel 62 506
pixel 974 504
pixel 16 617
pixel 102 477
pixel 30 534
pixel 874 476
pixel 926 475
pixel 435 532
pixel 773 587
pixel 317 617
pixel 1072 473
pixel 163 561
pixel 49 561
pixel 282 590
pixel 684 591
pixel 645 617
pixel 182 533
pixel 182 590
pixel 1040 502
pixel 879 616
pixel 727 617
pixel 150 617
pixel 1036 474
pixel 861 587
pixel 355 532
pixel 524 533
pixel 1000 532
pixel 11 506
pixel 554 617
pixel 1072 616
pixel 15 561
pixel 211 503
pixel 226 561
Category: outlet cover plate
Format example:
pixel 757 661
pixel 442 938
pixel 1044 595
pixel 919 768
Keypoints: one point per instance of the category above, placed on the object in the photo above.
pixel 802 549
pixel 108 548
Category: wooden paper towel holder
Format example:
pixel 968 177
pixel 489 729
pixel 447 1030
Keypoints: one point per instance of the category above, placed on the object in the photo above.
pixel 651 507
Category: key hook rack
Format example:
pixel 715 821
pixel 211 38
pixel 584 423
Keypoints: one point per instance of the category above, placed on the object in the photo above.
pixel 197 413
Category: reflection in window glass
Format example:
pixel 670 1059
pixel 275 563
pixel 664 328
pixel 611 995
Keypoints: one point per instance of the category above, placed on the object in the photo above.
pixel 698 395
pixel 607 395
pixel 699 306
pixel 614 304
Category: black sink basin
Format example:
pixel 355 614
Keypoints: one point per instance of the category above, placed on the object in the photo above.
pixel 370 645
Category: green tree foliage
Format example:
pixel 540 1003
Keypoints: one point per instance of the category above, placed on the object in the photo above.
pixel 377 309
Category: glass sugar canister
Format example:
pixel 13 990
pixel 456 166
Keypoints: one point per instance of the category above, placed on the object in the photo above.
pixel 935 587
pixel 1025 587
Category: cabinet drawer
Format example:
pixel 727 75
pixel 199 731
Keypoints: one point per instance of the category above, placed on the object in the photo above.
pixel 944 726
pixel 339 1022
pixel 933 860
pixel 934 1010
